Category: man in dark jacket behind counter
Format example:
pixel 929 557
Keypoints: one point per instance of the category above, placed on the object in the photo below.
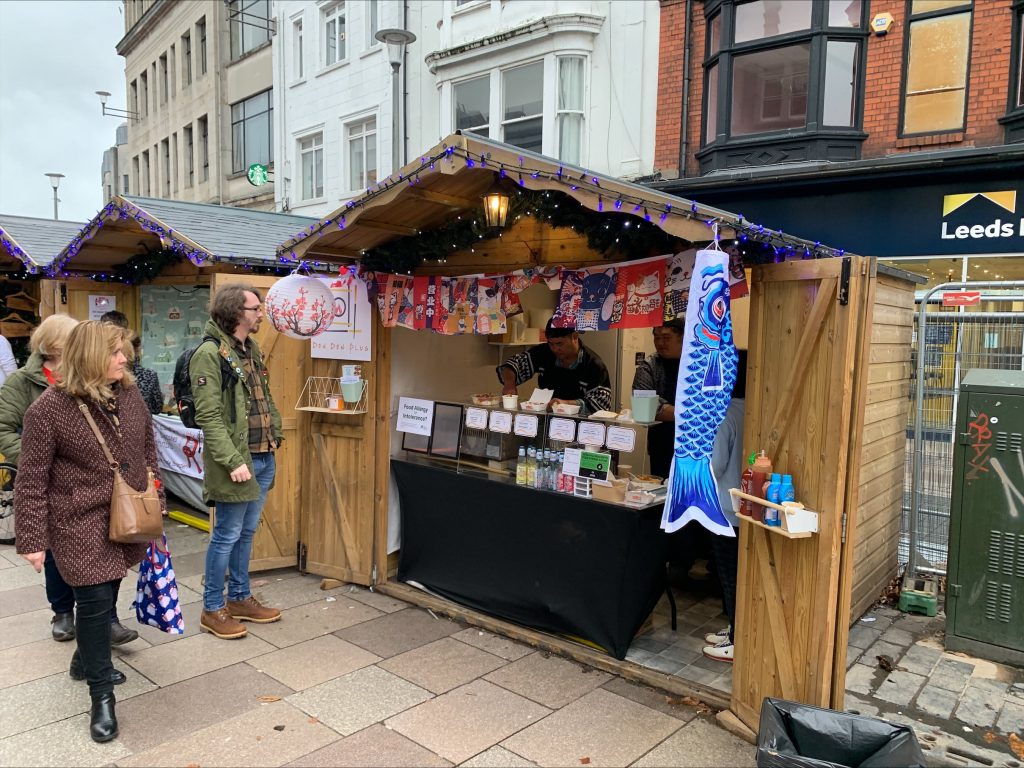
pixel 241 430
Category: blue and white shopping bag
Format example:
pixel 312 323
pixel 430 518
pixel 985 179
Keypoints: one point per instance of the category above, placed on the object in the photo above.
pixel 156 598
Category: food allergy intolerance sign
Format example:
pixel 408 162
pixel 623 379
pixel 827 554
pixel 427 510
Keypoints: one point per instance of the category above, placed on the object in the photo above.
pixel 415 416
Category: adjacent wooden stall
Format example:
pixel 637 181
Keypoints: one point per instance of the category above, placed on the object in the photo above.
pixel 828 376
pixel 136 242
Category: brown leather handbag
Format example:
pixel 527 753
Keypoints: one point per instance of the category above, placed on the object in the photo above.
pixel 135 516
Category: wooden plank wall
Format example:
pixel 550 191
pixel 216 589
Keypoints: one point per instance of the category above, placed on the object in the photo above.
pixel 883 451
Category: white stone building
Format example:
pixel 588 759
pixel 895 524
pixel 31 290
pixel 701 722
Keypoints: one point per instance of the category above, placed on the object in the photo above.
pixel 114 169
pixel 574 79
pixel 199 89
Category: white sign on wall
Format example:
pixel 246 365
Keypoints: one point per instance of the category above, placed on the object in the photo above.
pixel 415 416
pixel 350 334
pixel 99 305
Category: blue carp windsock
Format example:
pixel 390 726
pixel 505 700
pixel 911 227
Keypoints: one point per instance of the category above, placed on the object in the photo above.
pixel 707 372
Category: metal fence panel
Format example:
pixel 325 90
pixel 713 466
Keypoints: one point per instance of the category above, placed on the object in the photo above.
pixel 947 343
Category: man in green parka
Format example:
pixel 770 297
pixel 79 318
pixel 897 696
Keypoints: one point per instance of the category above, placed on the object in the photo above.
pixel 241 430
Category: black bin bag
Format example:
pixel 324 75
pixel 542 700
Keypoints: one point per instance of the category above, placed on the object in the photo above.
pixel 795 735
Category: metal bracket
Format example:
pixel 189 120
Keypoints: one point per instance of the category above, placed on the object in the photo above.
pixel 303 552
pixel 844 282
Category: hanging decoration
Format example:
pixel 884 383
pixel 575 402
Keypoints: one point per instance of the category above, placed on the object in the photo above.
pixel 300 306
pixel 702 397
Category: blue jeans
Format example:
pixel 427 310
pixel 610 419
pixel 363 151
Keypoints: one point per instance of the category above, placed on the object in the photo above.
pixel 231 541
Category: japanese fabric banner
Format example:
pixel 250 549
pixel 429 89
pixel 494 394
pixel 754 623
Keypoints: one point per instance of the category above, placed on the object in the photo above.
pixel 702 397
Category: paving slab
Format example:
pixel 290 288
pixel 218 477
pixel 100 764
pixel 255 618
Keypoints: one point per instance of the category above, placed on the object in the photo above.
pixel 505 647
pixel 981 702
pixel 601 728
pixel 549 680
pixel 920 659
pixel 373 747
pixel 699 744
pixel 65 743
pixel 313 662
pixel 698 674
pixel 270 735
pixel 860 679
pixel 24 628
pixel 951 675
pixel 680 653
pixel 497 757
pixel 374 599
pixel 659 701
pixel 33 661
pixel 463 722
pixel 288 593
pixel 359 699
pixel 863 635
pixel 664 664
pixel 900 688
pixel 314 619
pixel 399 632
pixel 195 703
pixel 442 665
pixel 937 702
pixel 16 601
pixel 196 655
pixel 18 578
pixel 858 706
pixel 899 637
pixel 882 648
pixel 1011 719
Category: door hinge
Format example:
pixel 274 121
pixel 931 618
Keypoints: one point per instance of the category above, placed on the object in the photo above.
pixel 373 573
pixel 842 539
pixel 303 552
pixel 954 589
pixel 844 281
pixel 965 438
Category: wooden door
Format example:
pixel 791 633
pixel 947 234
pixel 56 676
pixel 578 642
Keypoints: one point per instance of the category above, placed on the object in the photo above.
pixel 72 297
pixel 276 542
pixel 343 527
pixel 803 376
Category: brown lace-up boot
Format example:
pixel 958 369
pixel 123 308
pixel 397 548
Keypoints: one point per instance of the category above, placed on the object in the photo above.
pixel 250 609
pixel 220 624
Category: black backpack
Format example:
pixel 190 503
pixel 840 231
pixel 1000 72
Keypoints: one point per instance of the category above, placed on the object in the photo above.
pixel 183 384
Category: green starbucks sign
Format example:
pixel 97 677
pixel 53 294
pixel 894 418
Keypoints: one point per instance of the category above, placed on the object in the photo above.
pixel 258 174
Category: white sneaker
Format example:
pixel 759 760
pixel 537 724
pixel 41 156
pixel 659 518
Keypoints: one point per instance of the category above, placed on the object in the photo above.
pixel 714 638
pixel 720 652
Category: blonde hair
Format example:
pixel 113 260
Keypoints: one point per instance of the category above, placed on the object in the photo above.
pixel 87 359
pixel 51 336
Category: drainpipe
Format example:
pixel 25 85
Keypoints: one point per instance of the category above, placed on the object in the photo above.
pixel 684 123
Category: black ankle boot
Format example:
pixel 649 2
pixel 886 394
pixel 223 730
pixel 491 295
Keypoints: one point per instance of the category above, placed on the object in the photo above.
pixel 102 720
pixel 77 673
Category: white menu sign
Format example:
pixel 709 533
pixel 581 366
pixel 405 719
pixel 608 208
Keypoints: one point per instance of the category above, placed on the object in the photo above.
pixel 620 439
pixel 415 416
pixel 476 418
pixel 563 430
pixel 501 421
pixel 526 425
pixel 591 433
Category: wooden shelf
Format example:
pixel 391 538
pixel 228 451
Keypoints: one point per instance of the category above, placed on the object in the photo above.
pixel 316 409
pixel 778 529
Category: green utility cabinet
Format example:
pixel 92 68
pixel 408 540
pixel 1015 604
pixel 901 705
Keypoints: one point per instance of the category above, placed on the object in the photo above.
pixel 985 600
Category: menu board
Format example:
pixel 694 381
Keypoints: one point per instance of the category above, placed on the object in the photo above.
pixel 476 418
pixel 173 318
pixel 620 439
pixel 526 425
pixel 590 433
pixel 501 421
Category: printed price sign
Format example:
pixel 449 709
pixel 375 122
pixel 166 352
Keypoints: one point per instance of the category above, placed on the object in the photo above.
pixel 501 421
pixel 595 465
pixel 476 418
pixel 563 430
pixel 526 425
pixel 591 433
pixel 620 439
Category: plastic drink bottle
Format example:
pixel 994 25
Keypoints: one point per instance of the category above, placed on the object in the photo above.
pixel 762 472
pixel 559 477
pixel 747 485
pixel 521 467
pixel 788 492
pixel 531 467
pixel 773 493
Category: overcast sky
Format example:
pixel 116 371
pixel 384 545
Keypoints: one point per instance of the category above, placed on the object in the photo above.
pixel 53 57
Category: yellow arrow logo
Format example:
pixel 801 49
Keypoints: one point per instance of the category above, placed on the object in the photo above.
pixel 1006 199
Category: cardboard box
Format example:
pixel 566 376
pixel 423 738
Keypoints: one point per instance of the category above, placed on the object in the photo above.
pixel 615 491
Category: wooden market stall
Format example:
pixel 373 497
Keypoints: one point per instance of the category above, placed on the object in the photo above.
pixel 159 261
pixel 829 351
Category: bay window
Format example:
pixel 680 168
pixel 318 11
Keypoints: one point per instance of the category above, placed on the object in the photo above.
pixel 569 117
pixel 523 106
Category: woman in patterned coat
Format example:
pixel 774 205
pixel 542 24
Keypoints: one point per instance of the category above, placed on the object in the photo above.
pixel 63 490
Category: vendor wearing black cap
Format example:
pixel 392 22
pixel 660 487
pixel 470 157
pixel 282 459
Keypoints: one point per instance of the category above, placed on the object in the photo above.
pixel 577 375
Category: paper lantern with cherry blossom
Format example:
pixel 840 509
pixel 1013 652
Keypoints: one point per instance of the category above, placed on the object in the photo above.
pixel 300 306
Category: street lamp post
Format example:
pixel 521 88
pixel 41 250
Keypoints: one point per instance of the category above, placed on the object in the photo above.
pixel 55 182
pixel 396 40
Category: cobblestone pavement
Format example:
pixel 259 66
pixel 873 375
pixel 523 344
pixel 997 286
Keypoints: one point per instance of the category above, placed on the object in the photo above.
pixel 964 709
pixel 349 677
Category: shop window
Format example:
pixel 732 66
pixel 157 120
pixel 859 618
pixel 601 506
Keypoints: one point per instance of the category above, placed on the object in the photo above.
pixel 1014 118
pixel 249 25
pixel 334 33
pixel 186 59
pixel 782 81
pixel 523 106
pixel 473 105
pixel 311 160
pixel 361 138
pixel 570 115
pixel 252 132
pixel 937 52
